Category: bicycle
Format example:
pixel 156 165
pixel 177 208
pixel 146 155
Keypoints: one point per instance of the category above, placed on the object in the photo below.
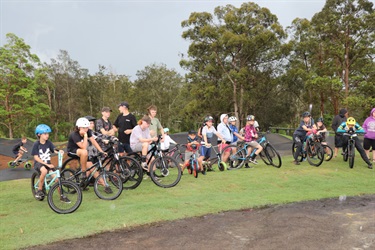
pixel 64 196
pixel 349 152
pixel 193 168
pixel 176 153
pixel 312 150
pixel 25 161
pixel 164 170
pixel 107 185
pixel 129 170
pixel 269 154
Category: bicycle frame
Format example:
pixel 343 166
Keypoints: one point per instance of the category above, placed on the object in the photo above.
pixel 47 184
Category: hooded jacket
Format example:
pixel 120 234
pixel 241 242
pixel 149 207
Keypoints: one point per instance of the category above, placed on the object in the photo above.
pixel 369 126
pixel 224 130
pixel 340 118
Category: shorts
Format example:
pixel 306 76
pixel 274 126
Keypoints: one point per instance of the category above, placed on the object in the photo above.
pixel 188 154
pixel 206 152
pixel 124 147
pixel 253 144
pixel 222 146
pixel 138 147
pixel 339 140
pixel 368 143
pixel 38 166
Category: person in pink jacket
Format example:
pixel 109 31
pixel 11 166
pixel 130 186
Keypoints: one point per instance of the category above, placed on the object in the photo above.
pixel 369 140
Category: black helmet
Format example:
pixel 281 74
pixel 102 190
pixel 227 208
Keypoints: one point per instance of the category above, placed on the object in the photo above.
pixel 305 114
pixel 320 119
pixel 192 132
pixel 208 118
pixel 90 118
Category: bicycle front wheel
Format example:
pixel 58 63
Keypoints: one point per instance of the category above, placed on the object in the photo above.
pixel 130 171
pixel 315 154
pixel 165 172
pixel 272 156
pixel 351 155
pixel 108 186
pixel 64 202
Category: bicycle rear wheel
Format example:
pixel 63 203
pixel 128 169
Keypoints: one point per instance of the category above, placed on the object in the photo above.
pixel 165 172
pixel 34 185
pixel 272 156
pixel 294 149
pixel 71 163
pixel 315 154
pixel 351 154
pixel 64 202
pixel 108 186
pixel 69 175
pixel 130 172
pixel 236 156
pixel 328 152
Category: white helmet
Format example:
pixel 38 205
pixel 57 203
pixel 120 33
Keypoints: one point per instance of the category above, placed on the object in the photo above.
pixel 232 119
pixel 82 122
pixel 166 130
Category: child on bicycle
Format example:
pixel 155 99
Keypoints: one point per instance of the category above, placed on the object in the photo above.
pixel 18 150
pixel 41 151
pixel 351 127
pixel 167 140
pixel 299 136
pixel 251 136
pixel 321 131
pixel 207 132
pixel 192 147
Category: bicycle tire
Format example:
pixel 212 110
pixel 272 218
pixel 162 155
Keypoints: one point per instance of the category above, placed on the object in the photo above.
pixel 111 180
pixel 272 156
pixel 71 163
pixel 59 206
pixel 351 155
pixel 131 172
pixel 27 166
pixel 315 154
pixel 69 175
pixel 330 154
pixel 195 168
pixel 10 164
pixel 165 172
pixel 300 156
pixel 236 156
pixel 34 189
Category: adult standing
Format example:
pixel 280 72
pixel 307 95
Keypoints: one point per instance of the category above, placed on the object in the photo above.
pixel 155 126
pixel 124 124
pixel 369 140
pixel 340 118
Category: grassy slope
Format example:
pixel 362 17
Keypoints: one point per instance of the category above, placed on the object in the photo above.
pixel 26 222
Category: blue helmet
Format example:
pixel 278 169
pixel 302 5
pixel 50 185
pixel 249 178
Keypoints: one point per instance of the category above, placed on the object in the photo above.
pixel 42 128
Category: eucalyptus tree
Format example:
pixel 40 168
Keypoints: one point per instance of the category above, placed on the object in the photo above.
pixel 22 105
pixel 160 86
pixel 231 56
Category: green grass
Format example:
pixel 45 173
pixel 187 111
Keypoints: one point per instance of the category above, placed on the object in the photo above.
pixel 26 222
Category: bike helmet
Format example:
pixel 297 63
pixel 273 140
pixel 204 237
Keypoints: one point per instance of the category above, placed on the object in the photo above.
pixel 192 132
pixel 350 121
pixel 250 118
pixel 232 119
pixel 306 114
pixel 320 119
pixel 42 128
pixel 166 130
pixel 208 118
pixel 90 118
pixel 83 122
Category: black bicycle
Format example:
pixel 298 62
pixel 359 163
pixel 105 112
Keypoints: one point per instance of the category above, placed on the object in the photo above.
pixel 107 185
pixel 164 170
pixel 349 152
pixel 312 149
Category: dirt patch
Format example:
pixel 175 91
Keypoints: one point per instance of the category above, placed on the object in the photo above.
pixel 340 223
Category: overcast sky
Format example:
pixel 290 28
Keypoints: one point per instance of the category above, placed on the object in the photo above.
pixel 122 35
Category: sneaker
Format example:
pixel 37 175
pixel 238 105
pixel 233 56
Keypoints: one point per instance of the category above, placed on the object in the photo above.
pixel 253 161
pixel 108 190
pixel 203 171
pixel 39 194
pixel 296 162
pixel 64 199
pixel 157 179
pixel 248 166
pixel 370 166
pixel 144 165
pixel 327 157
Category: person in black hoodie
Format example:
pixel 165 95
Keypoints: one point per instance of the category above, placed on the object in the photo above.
pixel 340 118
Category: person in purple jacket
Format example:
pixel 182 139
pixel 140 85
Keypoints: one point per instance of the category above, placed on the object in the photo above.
pixel 369 140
